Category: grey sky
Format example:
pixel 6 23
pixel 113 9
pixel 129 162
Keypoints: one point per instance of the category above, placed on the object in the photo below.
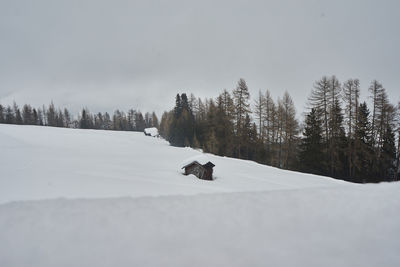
pixel 122 54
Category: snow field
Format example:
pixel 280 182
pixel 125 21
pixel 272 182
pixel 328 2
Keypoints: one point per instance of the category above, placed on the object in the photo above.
pixel 102 198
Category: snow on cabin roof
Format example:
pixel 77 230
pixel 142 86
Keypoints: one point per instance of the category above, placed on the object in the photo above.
pixel 201 159
pixel 153 131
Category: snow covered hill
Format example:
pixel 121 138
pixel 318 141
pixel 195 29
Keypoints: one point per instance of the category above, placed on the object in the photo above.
pixel 46 162
pixel 101 198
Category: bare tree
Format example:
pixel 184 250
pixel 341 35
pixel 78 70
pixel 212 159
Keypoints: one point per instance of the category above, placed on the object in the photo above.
pixel 241 98
pixel 260 113
pixel 351 94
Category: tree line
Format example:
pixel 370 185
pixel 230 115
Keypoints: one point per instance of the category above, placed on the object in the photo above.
pixel 133 120
pixel 340 137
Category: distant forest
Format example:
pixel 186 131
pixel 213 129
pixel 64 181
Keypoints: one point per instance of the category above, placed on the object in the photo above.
pixel 340 137
pixel 133 120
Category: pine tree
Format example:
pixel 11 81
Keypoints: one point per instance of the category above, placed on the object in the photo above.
pixel 18 116
pixel 363 147
pixel 51 115
pixel 336 129
pixel 338 142
pixel 35 117
pixel 224 124
pixel 311 147
pixel 27 115
pixel 2 114
pixel 10 118
pixel 182 126
pixel 98 121
pixel 60 122
pixel 40 117
pixel 107 121
pixel 67 118
pixel 84 122
pixel 387 155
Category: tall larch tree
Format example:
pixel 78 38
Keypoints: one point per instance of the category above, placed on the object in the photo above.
pixel 290 130
pixel 319 100
pixel 241 98
pixel 351 94
pixel 259 112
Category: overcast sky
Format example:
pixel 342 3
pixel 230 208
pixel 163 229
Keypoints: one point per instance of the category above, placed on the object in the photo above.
pixel 121 54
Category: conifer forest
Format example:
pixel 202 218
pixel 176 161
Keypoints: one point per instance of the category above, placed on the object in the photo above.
pixel 338 135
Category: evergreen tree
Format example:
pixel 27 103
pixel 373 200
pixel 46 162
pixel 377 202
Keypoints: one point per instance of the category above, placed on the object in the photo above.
pixel 98 121
pixel 224 126
pixel 67 118
pixel 182 128
pixel 387 156
pixel 40 120
pixel 18 116
pixel 363 147
pixel 131 120
pixel 35 117
pixel 85 121
pixel 51 115
pixel 338 142
pixel 2 114
pixel 107 121
pixel 311 148
pixel 10 118
pixel 60 122
pixel 27 115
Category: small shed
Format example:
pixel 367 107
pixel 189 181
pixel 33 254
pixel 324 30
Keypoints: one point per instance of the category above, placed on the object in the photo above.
pixel 201 169
pixel 153 131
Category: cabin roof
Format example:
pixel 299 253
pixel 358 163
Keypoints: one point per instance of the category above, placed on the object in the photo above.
pixel 200 159
pixel 207 165
pixel 153 131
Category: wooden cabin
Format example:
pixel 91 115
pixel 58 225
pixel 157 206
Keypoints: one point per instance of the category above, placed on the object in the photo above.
pixel 201 171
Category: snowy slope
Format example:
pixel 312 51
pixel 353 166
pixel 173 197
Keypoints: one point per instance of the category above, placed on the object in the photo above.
pixel 46 162
pixel 119 199
pixel 311 227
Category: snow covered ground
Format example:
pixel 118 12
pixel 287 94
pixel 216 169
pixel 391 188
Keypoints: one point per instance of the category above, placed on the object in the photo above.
pixel 46 162
pixel 102 198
